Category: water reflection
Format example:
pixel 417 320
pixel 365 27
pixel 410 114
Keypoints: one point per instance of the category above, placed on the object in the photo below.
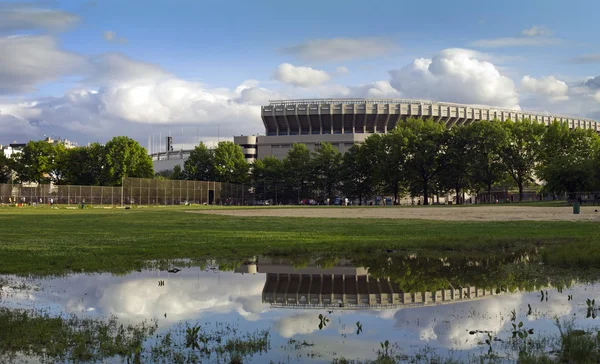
pixel 346 287
pixel 413 301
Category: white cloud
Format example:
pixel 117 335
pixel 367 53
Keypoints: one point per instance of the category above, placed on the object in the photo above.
pixel 536 31
pixel 26 61
pixel 377 89
pixel 304 323
pixel 549 87
pixel 20 17
pixel 300 76
pixel 340 49
pixel 515 42
pixel 456 75
pixel 116 69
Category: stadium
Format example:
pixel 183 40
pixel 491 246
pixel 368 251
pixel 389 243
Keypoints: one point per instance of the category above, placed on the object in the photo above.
pixel 345 122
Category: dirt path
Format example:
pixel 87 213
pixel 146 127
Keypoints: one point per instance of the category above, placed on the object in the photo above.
pixel 478 213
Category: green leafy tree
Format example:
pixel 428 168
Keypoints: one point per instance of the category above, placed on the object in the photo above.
pixel 487 169
pixel 36 162
pixel 326 163
pixel 358 174
pixel 567 159
pixel 426 147
pixel 457 161
pixel 124 157
pixel 200 166
pixel 177 173
pixel 522 150
pixel 298 165
pixel 268 176
pixel 390 153
pixel 84 165
pixel 5 169
pixel 230 163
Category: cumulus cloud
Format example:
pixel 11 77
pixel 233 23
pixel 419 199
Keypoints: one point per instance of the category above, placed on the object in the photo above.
pixel 304 323
pixel 26 61
pixel 549 87
pixel 377 89
pixel 456 75
pixel 340 49
pixel 21 17
pixel 300 76
pixel 536 31
pixel 593 83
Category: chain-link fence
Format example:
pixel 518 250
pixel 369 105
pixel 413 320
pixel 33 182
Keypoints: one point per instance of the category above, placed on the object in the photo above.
pixel 135 191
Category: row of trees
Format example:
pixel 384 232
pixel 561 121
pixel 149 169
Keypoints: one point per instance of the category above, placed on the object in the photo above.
pixel 96 164
pixel 418 158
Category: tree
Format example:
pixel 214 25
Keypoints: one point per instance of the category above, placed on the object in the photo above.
pixel 567 158
pixel 230 163
pixel 297 165
pixel 174 174
pixel 488 138
pixel 124 157
pixel 521 151
pixel 326 162
pixel 85 165
pixel 457 161
pixel 36 162
pixel 426 146
pixel 268 176
pixel 357 173
pixel 200 164
pixel 389 152
pixel 5 169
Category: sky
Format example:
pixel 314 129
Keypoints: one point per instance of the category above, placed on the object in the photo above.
pixel 200 70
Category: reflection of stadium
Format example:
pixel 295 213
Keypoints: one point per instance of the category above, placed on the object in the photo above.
pixel 344 286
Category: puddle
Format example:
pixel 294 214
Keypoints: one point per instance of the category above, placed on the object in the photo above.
pixel 310 313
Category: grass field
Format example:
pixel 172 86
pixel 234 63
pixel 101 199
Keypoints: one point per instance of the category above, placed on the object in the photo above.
pixel 50 241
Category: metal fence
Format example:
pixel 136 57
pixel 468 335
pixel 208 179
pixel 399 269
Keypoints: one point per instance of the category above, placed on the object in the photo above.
pixel 135 191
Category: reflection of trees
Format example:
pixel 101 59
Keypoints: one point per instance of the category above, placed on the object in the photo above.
pixel 505 272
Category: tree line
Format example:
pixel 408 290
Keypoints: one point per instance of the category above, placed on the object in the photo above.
pixel 92 165
pixel 417 158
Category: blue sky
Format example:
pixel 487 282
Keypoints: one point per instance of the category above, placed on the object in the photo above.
pixel 144 67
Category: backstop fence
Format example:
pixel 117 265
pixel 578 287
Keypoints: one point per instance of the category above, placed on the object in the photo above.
pixel 134 191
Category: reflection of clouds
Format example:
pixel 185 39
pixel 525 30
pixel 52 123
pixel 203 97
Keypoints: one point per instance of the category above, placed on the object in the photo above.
pixel 449 323
pixel 304 323
pixel 137 296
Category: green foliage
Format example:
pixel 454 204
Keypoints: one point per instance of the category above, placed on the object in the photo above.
pixel 37 162
pixel 230 164
pixel 487 142
pixel 567 159
pixel 326 164
pixel 84 165
pixel 5 169
pixel 124 157
pixel 521 150
pixel 268 177
pixel 390 153
pixel 200 166
pixel 426 147
pixel 298 167
pixel 358 173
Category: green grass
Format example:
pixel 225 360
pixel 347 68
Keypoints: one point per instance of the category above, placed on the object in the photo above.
pixel 49 241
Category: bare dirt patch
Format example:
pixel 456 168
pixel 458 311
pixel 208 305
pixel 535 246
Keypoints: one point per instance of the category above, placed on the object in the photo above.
pixel 463 213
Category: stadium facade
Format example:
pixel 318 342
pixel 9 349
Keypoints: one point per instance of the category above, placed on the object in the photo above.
pixel 345 122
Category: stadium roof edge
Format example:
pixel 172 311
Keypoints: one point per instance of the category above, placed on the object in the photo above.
pixel 413 101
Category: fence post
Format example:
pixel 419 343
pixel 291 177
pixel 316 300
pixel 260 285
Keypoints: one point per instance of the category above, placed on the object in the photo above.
pixel 122 182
